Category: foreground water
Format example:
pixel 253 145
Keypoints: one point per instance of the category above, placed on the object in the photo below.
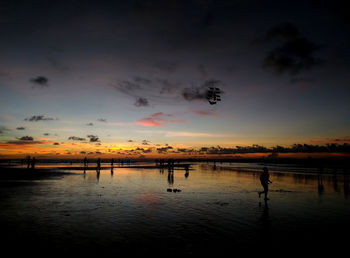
pixel 131 209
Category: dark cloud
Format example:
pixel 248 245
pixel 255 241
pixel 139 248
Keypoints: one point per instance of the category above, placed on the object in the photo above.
pixel 142 80
pixel 130 141
pixel 166 66
pixel 164 149
pixel 93 138
pixel 168 87
pixel 83 152
pixel 75 138
pixel 56 143
pixel 20 128
pixel 302 80
pixel 46 134
pixel 26 138
pixel 144 150
pixel 102 120
pixel 40 81
pixel 145 142
pixel 141 102
pixel 131 88
pixel 3 129
pixel 90 124
pixel 127 87
pixel 294 54
pixel 194 93
pixel 39 118
pixel 200 93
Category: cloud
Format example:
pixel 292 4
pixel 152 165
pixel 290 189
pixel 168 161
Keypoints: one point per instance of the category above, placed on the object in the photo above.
pixel 157 119
pixel 168 87
pixel 46 134
pixel 145 142
pixel 130 141
pixel 193 134
pixel 205 113
pixel 39 81
pixel 90 124
pixel 142 80
pixel 131 88
pixel 345 139
pixel 102 120
pixel 20 128
pixel 166 66
pixel 127 87
pixel 164 149
pixel 56 143
pixel 294 54
pixel 200 93
pixel 39 118
pixel 26 138
pixel 75 138
pixel 141 102
pixel 3 129
pixel 93 138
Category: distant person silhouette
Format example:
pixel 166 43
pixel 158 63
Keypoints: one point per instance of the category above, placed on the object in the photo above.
pixel 28 161
pixel 33 162
pixel 265 181
pixel 98 165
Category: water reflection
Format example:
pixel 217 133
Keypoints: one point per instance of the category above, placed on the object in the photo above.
pixel 170 177
pixel 265 219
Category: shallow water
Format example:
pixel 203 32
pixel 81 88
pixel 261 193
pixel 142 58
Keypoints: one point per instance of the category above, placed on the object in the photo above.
pixel 217 209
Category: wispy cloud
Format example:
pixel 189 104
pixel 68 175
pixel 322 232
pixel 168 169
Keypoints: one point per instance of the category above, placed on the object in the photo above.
pixel 193 134
pixel 158 119
pixel 37 118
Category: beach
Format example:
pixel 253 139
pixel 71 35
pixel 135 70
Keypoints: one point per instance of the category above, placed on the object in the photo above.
pixel 130 210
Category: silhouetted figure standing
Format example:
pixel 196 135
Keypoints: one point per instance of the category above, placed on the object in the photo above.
pixel 98 165
pixel 33 162
pixel 112 162
pixel 28 161
pixel 187 171
pixel 265 181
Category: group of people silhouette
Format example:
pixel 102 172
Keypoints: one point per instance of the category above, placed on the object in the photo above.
pixel 30 162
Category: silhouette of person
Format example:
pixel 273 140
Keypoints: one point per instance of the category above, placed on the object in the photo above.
pixel 187 171
pixel 33 163
pixel 28 161
pixel 85 162
pixel 112 162
pixel 265 181
pixel 98 165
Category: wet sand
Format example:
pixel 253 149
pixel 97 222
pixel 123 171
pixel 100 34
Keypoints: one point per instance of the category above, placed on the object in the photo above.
pixel 128 212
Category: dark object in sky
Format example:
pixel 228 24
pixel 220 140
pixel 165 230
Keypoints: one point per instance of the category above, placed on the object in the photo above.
pixel 294 55
pixel 213 95
pixel 40 81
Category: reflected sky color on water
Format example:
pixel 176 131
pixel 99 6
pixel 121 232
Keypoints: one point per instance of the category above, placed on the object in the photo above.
pixel 132 208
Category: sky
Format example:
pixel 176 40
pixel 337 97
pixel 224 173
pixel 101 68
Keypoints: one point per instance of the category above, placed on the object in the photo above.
pixel 130 77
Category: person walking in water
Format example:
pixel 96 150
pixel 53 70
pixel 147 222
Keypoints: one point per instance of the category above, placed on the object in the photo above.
pixel 265 181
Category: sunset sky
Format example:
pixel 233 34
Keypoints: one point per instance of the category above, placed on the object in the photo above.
pixel 116 77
